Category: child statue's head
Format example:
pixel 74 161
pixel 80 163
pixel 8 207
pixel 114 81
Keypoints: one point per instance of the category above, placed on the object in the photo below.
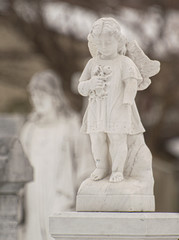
pixel 109 28
pixel 46 93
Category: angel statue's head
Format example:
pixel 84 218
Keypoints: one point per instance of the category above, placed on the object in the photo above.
pixel 104 35
pixel 46 94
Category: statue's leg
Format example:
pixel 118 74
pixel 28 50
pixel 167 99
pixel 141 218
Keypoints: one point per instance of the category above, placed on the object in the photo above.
pixel 99 148
pixel 118 152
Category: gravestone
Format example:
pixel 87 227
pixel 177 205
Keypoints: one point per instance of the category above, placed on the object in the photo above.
pixel 15 171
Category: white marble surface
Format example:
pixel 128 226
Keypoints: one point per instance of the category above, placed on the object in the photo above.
pixel 111 79
pixel 127 195
pixel 107 226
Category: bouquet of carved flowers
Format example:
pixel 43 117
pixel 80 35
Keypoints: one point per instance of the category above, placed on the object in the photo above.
pixel 104 73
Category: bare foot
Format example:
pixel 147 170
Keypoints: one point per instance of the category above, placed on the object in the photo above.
pixel 116 177
pixel 98 174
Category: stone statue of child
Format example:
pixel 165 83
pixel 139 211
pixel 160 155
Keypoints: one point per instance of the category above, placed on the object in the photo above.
pixel 112 116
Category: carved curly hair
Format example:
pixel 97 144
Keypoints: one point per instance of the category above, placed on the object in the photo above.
pixel 109 25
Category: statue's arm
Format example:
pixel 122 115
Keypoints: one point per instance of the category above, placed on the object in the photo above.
pixel 130 91
pixel 131 78
pixel 84 86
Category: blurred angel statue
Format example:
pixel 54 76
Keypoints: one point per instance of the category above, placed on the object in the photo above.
pixel 51 141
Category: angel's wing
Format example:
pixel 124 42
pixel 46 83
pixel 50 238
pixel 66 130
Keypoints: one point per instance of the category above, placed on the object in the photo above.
pixel 146 66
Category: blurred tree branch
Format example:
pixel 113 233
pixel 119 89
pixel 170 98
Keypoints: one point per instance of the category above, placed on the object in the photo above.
pixel 99 5
pixel 65 54
pixel 61 52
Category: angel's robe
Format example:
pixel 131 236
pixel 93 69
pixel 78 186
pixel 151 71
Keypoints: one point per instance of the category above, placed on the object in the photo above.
pixel 54 150
pixel 116 112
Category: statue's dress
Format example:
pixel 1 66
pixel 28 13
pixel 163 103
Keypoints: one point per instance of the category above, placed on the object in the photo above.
pixel 109 113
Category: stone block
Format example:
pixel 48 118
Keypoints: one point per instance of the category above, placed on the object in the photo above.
pixel 118 226
pixel 129 195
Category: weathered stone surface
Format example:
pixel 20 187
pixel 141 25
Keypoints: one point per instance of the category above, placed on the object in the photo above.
pixel 10 124
pixel 128 195
pixel 8 217
pixel 118 226
pixel 15 171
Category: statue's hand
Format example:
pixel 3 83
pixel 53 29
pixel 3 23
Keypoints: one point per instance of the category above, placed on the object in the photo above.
pixel 96 82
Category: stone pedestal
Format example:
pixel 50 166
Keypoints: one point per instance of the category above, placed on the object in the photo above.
pixel 130 195
pixel 118 226
pixel 8 217
pixel 15 173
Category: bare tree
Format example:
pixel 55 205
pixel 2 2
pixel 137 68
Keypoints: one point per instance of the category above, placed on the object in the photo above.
pixel 66 54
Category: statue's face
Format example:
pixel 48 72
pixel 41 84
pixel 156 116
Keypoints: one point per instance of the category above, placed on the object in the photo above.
pixel 42 102
pixel 107 45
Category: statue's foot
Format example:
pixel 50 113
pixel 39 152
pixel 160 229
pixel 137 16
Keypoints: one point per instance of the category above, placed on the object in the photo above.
pixel 116 177
pixel 99 173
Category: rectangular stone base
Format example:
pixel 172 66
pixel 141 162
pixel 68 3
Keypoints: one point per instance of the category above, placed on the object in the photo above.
pixel 115 203
pixel 118 226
